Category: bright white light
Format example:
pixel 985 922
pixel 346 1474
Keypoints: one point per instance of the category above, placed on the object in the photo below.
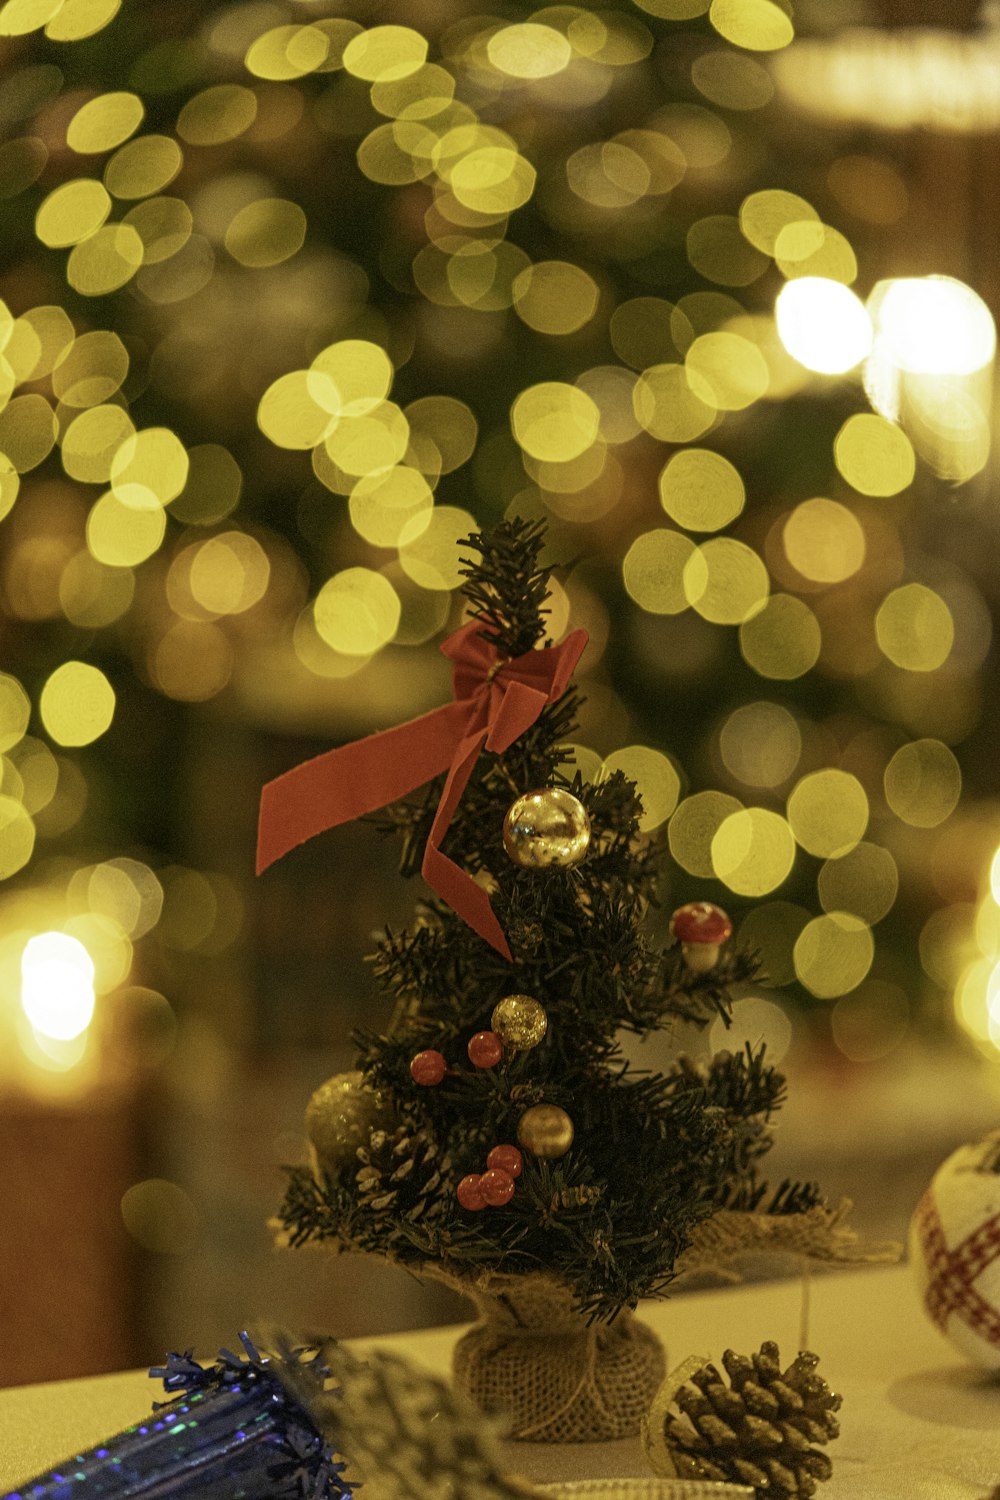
pixel 932 325
pixel 57 985
pixel 823 324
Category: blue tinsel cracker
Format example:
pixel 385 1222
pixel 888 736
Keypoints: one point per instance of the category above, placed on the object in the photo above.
pixel 245 1428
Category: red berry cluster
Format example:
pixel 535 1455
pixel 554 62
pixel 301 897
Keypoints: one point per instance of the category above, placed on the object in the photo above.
pixel 429 1067
pixel 494 1187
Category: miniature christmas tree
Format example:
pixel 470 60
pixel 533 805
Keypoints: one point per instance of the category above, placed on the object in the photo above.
pixel 496 1138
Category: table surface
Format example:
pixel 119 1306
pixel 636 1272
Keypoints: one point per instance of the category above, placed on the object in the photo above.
pixel 918 1422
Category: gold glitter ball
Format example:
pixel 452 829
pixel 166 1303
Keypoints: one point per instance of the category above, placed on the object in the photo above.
pixel 546 827
pixel 545 1130
pixel 519 1021
pixel 339 1117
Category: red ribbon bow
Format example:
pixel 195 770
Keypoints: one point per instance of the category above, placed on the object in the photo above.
pixel 495 701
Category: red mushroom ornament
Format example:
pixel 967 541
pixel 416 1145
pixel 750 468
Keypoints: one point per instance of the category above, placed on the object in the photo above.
pixel 701 928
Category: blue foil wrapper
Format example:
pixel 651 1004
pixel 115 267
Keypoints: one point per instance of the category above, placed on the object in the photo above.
pixel 245 1428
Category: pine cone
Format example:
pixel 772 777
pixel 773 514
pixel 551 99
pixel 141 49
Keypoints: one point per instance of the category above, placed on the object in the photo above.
pixel 757 1431
pixel 402 1175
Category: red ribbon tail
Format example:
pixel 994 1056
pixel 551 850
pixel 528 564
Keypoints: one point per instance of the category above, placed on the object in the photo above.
pixel 447 879
pixel 355 779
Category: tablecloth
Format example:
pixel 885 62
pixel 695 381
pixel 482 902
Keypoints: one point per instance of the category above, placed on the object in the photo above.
pixel 918 1423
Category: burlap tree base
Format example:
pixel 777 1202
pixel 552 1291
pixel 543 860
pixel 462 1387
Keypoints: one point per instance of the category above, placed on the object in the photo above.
pixel 533 1357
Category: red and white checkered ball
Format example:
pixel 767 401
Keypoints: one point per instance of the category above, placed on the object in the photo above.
pixel 955 1250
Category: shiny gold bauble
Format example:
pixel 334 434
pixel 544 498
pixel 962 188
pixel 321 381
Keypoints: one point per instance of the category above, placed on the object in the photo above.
pixel 545 1130
pixel 519 1021
pixel 547 827
pixel 339 1118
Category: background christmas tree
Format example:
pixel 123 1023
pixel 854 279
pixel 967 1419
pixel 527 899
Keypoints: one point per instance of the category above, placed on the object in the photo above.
pixel 220 196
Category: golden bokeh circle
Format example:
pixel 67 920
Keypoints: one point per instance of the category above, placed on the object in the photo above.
pixel 828 812
pixel 923 783
pixel 783 640
pixel 753 851
pixel 833 954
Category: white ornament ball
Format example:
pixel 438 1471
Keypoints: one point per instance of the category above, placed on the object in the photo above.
pixel 955 1250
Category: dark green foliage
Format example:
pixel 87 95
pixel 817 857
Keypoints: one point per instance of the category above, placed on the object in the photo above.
pixel 653 1153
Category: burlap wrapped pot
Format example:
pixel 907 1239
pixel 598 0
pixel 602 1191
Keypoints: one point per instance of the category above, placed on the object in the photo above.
pixel 557 1379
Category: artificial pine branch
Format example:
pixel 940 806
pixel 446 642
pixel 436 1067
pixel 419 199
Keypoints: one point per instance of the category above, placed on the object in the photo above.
pixel 506 587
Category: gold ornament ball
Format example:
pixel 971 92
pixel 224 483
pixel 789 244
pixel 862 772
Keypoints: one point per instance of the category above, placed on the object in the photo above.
pixel 545 1130
pixel 546 827
pixel 339 1118
pixel 519 1021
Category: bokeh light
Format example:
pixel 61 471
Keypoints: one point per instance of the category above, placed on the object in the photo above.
pixel 726 581
pixel 657 782
pixel 760 744
pixel 701 490
pixel 753 851
pixel 160 1216
pixel 824 541
pixel 17 836
pixel 123 534
pixel 104 122
pixel 933 325
pixel 758 25
pixel 923 782
pixel 914 628
pixel 864 882
pixel 783 639
pixel 77 703
pixel 554 296
pixel 57 985
pixel 15 711
pixel 931 369
pixel 429 551
pixel 654 570
pixel 823 324
pixel 874 456
pixel 693 827
pixel 756 1021
pixel 833 954
pixel 554 421
pixel 357 611
pixel 828 812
